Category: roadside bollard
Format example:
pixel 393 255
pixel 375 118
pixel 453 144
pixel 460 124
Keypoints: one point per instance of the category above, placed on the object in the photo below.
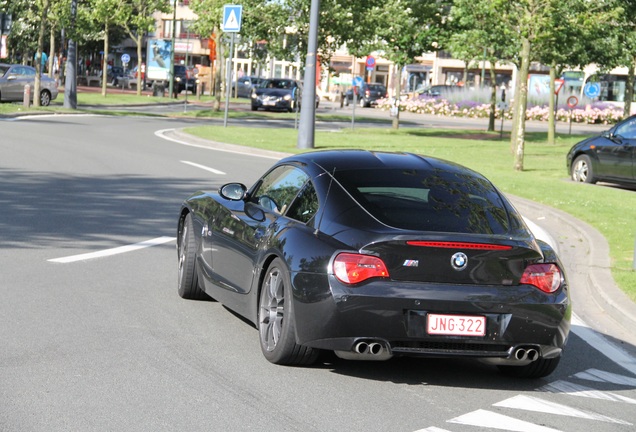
pixel 27 96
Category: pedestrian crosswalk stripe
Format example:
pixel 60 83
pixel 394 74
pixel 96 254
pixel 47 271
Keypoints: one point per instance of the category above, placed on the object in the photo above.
pixel 488 419
pixel 572 389
pixel 432 429
pixel 530 403
pixel 602 376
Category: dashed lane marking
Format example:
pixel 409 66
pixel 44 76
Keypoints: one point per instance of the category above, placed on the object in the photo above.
pixel 203 167
pixel 113 251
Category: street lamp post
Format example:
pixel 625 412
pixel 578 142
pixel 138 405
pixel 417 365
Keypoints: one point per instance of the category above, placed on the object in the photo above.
pixel 306 129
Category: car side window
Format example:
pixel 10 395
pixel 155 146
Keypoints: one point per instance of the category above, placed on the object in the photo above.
pixel 627 130
pixel 279 187
pixel 305 206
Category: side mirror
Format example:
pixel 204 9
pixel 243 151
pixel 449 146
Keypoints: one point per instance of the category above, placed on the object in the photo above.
pixel 233 191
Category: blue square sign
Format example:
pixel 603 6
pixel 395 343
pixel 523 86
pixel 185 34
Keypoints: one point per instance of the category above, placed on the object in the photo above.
pixel 232 18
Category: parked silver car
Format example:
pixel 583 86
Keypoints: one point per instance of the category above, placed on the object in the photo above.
pixel 13 78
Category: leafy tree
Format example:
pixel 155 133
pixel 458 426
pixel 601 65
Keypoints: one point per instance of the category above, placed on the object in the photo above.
pixel 137 21
pixel 479 33
pixel 404 30
pixel 107 14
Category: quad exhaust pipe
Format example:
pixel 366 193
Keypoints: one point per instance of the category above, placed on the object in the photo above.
pixel 519 356
pixel 366 350
pixel 530 354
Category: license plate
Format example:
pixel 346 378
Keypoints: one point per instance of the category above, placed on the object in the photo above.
pixel 456 325
pixel 269 103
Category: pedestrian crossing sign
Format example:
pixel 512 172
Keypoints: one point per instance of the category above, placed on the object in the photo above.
pixel 232 18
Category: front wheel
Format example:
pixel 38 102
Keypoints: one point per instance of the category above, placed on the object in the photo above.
pixel 582 170
pixel 362 103
pixel 276 326
pixel 188 281
pixel 537 369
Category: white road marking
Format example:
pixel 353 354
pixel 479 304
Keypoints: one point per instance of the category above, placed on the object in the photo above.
pixel 114 251
pixel 602 345
pixel 488 419
pixel 602 376
pixel 535 404
pixel 203 167
pixel 161 134
pixel 432 429
pixel 571 389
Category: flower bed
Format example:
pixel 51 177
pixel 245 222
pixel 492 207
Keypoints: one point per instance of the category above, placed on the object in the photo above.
pixel 597 112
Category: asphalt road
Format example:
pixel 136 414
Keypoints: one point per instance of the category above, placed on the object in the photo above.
pixel 103 342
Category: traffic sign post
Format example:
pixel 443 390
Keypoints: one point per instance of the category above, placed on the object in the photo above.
pixel 232 18
pixel 572 102
pixel 231 24
pixel 592 90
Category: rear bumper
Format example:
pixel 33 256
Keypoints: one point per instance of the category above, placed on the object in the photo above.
pixel 395 315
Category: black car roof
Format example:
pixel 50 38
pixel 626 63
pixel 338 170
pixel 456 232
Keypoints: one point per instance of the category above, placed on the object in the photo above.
pixel 330 160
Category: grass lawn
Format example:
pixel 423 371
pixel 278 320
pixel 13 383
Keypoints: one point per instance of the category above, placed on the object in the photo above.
pixel 544 179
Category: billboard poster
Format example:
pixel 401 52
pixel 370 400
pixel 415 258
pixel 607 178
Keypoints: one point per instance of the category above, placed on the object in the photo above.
pixel 158 55
pixel 538 85
pixel 3 47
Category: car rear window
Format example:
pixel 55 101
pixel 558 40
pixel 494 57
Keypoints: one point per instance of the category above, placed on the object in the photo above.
pixel 441 201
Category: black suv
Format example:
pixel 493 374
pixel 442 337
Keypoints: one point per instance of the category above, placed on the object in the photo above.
pixel 181 80
pixel 366 94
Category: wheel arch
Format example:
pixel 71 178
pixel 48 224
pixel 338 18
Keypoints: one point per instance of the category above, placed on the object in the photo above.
pixel 258 286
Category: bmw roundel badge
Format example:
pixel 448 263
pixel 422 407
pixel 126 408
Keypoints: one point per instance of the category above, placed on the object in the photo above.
pixel 459 261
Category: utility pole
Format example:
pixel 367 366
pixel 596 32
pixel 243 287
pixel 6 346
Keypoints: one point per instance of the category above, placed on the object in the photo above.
pixel 307 127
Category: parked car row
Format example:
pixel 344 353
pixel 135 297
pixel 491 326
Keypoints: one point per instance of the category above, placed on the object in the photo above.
pixel 13 79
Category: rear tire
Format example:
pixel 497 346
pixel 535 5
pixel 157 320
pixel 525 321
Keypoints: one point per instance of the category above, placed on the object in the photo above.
pixel 537 369
pixel 276 325
pixel 188 280
pixel 582 170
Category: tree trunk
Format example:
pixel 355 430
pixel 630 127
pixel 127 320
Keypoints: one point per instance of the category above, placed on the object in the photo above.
pixel 219 71
pixel 551 107
pixel 493 97
pixel 521 99
pixel 51 52
pixel 629 90
pixel 38 55
pixel 515 112
pixel 105 61
pixel 398 90
pixel 140 60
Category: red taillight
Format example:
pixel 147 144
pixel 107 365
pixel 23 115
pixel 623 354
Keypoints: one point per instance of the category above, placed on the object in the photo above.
pixel 546 277
pixel 355 268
